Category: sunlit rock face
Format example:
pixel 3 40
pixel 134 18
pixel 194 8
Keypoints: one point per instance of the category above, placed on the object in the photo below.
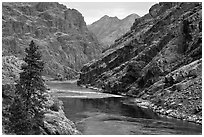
pixel 159 59
pixel 108 29
pixel 61 33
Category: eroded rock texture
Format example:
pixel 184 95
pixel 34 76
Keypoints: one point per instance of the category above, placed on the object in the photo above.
pixel 61 34
pixel 159 59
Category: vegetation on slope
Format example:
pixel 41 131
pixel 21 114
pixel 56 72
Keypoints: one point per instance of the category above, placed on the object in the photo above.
pixel 27 107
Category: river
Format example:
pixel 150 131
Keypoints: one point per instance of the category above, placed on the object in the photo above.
pixel 97 113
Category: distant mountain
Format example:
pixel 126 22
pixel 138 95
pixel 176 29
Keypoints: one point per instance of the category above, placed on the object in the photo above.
pixel 61 34
pixel 108 29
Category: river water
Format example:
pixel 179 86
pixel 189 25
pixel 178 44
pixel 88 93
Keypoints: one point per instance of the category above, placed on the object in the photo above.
pixel 105 114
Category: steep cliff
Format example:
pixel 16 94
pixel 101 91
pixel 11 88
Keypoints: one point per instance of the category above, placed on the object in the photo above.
pixel 158 60
pixel 107 29
pixel 60 32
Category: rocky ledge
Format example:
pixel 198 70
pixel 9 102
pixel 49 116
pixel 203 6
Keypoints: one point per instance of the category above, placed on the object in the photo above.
pixel 55 121
pixel 159 60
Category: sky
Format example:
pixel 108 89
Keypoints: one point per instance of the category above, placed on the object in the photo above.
pixel 93 11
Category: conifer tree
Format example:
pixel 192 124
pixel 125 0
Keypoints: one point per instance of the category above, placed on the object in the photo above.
pixel 27 108
pixel 19 118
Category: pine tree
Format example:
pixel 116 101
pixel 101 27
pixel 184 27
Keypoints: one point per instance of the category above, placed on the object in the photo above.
pixel 27 108
pixel 19 118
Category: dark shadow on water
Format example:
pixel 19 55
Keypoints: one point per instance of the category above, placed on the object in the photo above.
pixel 76 108
pixel 105 105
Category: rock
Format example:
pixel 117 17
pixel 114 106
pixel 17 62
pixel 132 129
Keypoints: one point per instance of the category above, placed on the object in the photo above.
pixel 61 34
pixel 143 104
pixel 199 122
pixel 162 111
pixel 153 11
pixel 169 111
pixel 191 119
pixel 55 123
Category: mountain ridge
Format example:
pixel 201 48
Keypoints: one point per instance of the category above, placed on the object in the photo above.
pixel 107 29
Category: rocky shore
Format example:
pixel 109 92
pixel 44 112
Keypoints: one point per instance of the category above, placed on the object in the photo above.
pixel 168 112
pixel 146 104
pixel 55 121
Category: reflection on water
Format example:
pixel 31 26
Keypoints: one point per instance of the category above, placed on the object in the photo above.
pixel 104 105
pixel 63 85
pixel 96 116
pixel 115 116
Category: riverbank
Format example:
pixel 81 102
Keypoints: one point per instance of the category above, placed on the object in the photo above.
pixel 111 115
pixel 70 89
pixel 54 122
pixel 158 108
pixel 80 94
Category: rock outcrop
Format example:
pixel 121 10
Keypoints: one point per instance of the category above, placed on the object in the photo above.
pixel 158 60
pixel 11 67
pixel 61 34
pixel 107 29
pixel 55 121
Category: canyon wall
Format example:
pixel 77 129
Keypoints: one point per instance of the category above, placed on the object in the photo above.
pixel 159 60
pixel 61 34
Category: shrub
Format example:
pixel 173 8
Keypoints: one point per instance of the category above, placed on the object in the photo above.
pixel 57 105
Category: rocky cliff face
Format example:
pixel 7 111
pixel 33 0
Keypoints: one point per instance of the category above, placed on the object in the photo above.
pixel 107 29
pixel 158 60
pixel 61 34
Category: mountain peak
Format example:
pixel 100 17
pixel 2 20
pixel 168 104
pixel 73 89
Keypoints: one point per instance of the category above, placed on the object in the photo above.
pixel 108 17
pixel 133 15
pixel 105 16
pixel 107 29
pixel 114 17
